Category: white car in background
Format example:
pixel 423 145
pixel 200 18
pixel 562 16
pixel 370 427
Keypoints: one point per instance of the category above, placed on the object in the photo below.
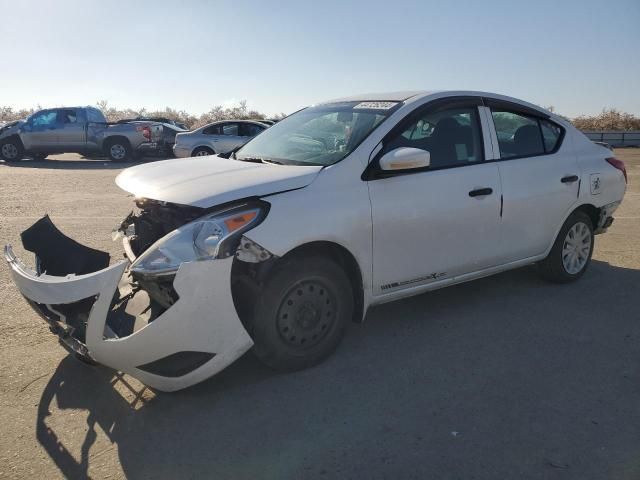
pixel 216 138
pixel 341 206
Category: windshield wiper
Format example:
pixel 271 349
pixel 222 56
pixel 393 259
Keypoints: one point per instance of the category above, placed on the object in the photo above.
pixel 259 160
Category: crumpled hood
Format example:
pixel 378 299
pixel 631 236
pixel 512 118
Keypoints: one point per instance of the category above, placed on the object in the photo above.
pixel 209 181
pixel 11 127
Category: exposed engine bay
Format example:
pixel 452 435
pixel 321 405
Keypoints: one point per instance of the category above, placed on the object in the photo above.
pixel 151 220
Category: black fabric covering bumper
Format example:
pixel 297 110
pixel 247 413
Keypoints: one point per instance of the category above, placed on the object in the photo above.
pixel 58 254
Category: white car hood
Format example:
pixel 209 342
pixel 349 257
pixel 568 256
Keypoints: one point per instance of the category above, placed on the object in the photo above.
pixel 209 181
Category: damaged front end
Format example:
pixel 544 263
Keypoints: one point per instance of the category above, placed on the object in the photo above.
pixel 164 315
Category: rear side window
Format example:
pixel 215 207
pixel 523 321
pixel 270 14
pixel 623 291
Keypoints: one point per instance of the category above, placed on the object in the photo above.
pixel 230 129
pixel 522 135
pixel 551 134
pixel 212 130
pixel 67 116
pixel 95 116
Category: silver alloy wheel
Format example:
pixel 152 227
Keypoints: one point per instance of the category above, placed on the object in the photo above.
pixel 117 151
pixel 9 151
pixel 576 248
pixel 202 153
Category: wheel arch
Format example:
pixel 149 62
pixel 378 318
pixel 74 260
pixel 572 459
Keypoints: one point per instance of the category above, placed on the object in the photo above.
pixel 13 137
pixel 207 147
pixel 345 259
pixel 114 138
pixel 589 209
pixel 323 248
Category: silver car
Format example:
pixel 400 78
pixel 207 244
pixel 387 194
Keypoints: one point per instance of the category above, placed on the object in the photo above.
pixel 217 137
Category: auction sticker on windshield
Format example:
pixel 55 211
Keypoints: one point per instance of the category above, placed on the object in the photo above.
pixel 375 105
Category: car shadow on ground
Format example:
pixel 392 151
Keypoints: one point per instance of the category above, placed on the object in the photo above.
pixel 80 164
pixel 504 377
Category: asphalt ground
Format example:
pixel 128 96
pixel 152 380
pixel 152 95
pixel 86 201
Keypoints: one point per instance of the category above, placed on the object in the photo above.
pixel 506 377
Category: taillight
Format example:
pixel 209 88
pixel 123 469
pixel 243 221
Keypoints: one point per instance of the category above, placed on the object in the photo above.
pixel 619 164
pixel 146 131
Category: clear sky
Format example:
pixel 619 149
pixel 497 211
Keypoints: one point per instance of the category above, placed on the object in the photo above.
pixel 579 56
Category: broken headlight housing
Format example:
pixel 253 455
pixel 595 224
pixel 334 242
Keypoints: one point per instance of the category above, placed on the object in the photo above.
pixel 207 238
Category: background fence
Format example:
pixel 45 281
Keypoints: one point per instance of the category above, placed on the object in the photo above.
pixel 615 138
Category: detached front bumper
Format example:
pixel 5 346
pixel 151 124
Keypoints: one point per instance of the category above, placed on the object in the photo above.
pixel 195 338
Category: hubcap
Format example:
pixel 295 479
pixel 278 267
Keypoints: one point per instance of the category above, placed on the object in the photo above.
pixel 202 153
pixel 118 151
pixel 9 150
pixel 576 248
pixel 306 314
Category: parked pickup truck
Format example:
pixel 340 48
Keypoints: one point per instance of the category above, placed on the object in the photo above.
pixel 81 130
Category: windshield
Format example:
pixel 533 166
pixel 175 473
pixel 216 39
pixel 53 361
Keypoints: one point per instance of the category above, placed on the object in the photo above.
pixel 320 135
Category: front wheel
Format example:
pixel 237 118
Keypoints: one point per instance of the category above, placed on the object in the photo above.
pixel 301 314
pixel 571 252
pixel 11 150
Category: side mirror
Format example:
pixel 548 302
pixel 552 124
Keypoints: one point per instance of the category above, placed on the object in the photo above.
pixel 405 158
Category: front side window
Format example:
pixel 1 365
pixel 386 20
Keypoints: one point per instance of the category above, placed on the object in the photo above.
pixel 44 119
pixel 319 135
pixel 250 129
pixel 452 137
pixel 522 135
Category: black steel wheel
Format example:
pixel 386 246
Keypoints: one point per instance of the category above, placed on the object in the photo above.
pixel 301 313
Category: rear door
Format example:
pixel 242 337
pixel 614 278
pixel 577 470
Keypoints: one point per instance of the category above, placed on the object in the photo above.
pixel 71 133
pixel 540 178
pixel 442 221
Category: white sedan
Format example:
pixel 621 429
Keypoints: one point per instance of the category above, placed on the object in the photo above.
pixel 340 206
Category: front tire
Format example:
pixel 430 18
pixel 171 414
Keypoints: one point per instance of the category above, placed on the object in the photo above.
pixel 11 150
pixel 571 252
pixel 301 314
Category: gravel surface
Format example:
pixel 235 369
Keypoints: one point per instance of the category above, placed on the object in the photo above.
pixel 505 377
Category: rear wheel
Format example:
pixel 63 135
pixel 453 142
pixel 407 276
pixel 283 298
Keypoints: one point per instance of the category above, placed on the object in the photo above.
pixel 119 150
pixel 301 313
pixel 571 252
pixel 202 152
pixel 11 150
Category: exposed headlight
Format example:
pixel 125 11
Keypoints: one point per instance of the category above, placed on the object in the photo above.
pixel 206 238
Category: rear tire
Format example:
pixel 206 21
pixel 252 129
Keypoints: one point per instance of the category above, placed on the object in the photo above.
pixel 571 252
pixel 301 314
pixel 11 150
pixel 202 152
pixel 119 150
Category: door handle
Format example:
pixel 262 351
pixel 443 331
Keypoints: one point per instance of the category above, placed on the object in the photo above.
pixel 480 192
pixel 569 179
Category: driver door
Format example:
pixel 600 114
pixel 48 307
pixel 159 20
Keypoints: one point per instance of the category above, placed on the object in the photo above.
pixel 437 222
pixel 41 131
pixel 230 137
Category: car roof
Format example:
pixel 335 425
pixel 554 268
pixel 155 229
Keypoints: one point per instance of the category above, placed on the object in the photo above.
pixel 412 96
pixel 255 122
pixel 381 96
